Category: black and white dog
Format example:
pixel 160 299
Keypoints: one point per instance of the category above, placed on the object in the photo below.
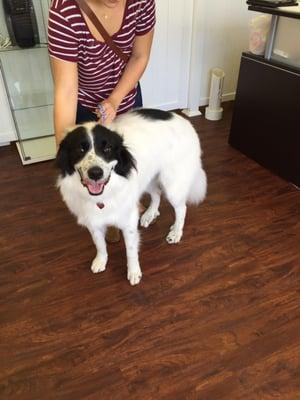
pixel 105 171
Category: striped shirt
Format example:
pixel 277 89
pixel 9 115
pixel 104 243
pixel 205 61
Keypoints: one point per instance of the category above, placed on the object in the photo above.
pixel 99 68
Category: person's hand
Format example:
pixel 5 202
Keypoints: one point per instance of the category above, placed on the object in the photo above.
pixel 106 112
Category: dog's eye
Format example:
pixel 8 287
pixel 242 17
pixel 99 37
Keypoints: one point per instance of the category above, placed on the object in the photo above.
pixel 84 146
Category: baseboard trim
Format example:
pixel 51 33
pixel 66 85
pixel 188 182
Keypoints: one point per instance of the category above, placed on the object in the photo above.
pixel 2 144
pixel 191 113
pixel 226 97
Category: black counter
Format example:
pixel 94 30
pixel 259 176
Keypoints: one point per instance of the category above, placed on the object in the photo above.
pixel 281 11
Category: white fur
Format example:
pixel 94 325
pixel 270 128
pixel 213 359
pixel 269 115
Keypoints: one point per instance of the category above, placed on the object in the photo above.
pixel 168 159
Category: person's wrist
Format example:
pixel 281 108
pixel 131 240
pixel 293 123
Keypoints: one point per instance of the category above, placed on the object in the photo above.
pixel 115 101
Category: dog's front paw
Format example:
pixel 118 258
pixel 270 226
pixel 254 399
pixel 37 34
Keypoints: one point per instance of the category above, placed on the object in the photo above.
pixel 148 217
pixel 98 265
pixel 134 275
pixel 174 236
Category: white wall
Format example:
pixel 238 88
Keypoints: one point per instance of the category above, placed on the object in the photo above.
pixel 7 127
pixel 3 29
pixel 165 81
pixel 220 36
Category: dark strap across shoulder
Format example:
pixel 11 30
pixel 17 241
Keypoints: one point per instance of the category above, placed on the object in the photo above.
pixel 107 38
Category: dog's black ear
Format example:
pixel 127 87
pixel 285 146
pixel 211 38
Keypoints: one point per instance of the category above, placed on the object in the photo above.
pixel 126 162
pixel 63 158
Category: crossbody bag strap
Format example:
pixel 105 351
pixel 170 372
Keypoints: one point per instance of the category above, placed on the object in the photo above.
pixel 107 38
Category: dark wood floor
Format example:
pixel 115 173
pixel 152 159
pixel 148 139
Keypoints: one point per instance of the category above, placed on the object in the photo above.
pixel 216 317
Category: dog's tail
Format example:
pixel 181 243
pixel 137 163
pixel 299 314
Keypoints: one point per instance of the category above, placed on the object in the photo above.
pixel 198 187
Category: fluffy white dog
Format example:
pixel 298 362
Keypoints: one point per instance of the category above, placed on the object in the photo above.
pixel 105 171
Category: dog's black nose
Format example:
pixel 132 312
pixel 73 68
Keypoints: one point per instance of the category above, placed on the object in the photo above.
pixel 95 173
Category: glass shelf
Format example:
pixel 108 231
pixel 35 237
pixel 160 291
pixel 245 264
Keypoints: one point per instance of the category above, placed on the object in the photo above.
pixel 29 87
pixel 14 48
pixel 285 50
pixel 28 84
pixel 35 122
pixel 28 77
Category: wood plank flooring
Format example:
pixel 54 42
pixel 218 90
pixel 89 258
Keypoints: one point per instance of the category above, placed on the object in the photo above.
pixel 215 317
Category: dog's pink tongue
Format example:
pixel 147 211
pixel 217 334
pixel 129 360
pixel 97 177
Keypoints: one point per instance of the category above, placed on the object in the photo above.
pixel 95 187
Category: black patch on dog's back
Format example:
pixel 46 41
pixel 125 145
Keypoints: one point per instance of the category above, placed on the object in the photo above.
pixel 109 145
pixel 153 114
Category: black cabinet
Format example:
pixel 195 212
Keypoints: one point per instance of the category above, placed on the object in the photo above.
pixel 266 118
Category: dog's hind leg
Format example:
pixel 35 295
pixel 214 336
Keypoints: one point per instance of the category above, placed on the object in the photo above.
pixel 176 230
pixel 99 262
pixel 176 191
pixel 152 211
pixel 131 238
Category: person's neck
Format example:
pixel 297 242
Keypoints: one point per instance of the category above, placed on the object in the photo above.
pixel 107 6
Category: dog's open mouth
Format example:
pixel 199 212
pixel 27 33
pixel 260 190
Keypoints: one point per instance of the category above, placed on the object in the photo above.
pixel 95 188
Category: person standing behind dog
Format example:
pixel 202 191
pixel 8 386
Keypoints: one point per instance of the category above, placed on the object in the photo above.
pixel 88 74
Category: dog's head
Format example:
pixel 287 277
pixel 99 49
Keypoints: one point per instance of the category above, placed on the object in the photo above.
pixel 93 151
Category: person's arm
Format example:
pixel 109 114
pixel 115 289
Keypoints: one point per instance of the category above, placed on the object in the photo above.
pixel 132 74
pixel 65 75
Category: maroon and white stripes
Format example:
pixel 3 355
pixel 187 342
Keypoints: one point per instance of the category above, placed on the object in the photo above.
pixel 99 68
